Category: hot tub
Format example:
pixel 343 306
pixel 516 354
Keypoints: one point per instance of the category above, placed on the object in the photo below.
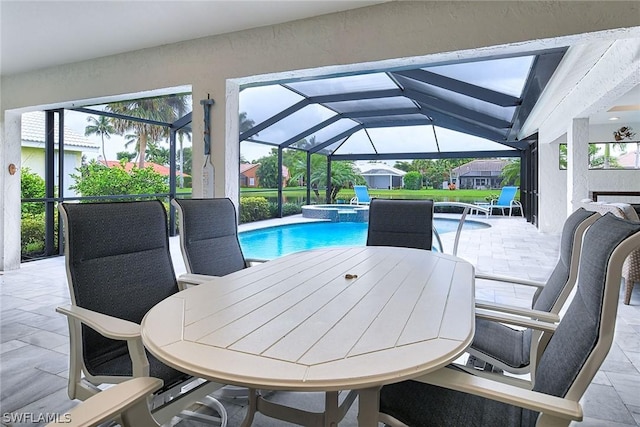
pixel 337 213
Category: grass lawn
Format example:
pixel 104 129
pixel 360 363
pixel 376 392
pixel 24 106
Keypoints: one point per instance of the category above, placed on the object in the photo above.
pixel 347 194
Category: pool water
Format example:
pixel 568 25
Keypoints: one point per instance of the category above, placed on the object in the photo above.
pixel 272 242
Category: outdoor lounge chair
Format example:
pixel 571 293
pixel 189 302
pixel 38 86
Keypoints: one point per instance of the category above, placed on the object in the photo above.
pixel 506 200
pixel 362 195
pixel 118 267
pixel 402 223
pixel 512 349
pixel 568 363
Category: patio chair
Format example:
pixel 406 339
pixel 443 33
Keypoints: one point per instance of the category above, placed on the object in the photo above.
pixel 210 247
pixel 362 195
pixel 209 239
pixel 570 360
pixel 402 223
pixel 118 267
pixel 631 268
pixel 125 403
pixel 511 349
pixel 506 200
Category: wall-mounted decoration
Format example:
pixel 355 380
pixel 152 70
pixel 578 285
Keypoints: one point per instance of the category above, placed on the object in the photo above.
pixel 625 132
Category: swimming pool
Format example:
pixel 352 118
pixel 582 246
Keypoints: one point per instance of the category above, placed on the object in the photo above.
pixel 272 242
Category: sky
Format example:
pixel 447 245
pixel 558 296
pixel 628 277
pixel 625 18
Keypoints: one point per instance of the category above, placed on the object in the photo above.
pixel 78 122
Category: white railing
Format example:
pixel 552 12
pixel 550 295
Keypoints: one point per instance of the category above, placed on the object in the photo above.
pixel 467 209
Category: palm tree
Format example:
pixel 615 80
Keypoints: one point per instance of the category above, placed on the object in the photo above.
pixel 179 105
pixel 101 126
pixel 245 123
pixel 511 173
pixel 342 175
pixel 159 109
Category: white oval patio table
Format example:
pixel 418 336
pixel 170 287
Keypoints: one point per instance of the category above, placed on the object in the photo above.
pixel 352 318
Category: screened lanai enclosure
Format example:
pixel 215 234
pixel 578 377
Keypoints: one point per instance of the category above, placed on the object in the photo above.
pixel 464 109
pixel 451 110
pixel 161 124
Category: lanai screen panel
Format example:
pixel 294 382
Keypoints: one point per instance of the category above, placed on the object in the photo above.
pixel 505 75
pixel 346 84
pixel 324 134
pixel 436 96
pixel 294 124
pixel 263 102
pixel 358 143
pixel 388 104
pixel 452 141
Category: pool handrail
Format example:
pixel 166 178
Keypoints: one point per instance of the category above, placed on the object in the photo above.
pixel 467 208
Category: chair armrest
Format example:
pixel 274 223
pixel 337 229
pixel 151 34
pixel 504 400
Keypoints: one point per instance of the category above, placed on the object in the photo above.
pixel 550 405
pixel 520 311
pixel 108 326
pixel 508 279
pixel 193 279
pixel 107 404
pixel 516 321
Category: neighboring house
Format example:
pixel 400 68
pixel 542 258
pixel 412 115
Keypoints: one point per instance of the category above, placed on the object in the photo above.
pixel 381 175
pixel 479 174
pixel 32 150
pixel 160 169
pixel 248 176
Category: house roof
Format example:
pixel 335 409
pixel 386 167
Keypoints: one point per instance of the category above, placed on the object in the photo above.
pixel 380 169
pixel 161 169
pixel 494 166
pixel 248 166
pixel 33 125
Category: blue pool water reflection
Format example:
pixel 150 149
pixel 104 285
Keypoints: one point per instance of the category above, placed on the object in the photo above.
pixel 272 242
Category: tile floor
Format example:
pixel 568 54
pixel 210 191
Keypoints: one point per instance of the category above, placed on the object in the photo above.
pixel 34 343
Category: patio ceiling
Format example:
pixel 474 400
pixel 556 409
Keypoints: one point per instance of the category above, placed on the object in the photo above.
pixel 465 109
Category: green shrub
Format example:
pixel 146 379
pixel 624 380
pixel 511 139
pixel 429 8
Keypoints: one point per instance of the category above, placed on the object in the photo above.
pixel 287 209
pixel 413 180
pixel 32 233
pixel 253 209
pixel 95 179
pixel 273 210
pixel 31 187
pixel 291 209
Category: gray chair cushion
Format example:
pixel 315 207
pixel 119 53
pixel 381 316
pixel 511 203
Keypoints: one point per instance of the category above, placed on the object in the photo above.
pixel 418 404
pixel 401 223
pixel 558 279
pixel 512 346
pixel 210 236
pixel 119 264
pixel 578 331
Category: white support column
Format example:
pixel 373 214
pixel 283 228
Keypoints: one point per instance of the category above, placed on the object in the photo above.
pixel 552 185
pixel 577 163
pixel 10 140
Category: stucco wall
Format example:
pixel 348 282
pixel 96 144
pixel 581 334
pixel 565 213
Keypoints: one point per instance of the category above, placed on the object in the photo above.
pixel 394 34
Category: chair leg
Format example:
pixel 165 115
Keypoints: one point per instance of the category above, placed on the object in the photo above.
pixel 629 288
